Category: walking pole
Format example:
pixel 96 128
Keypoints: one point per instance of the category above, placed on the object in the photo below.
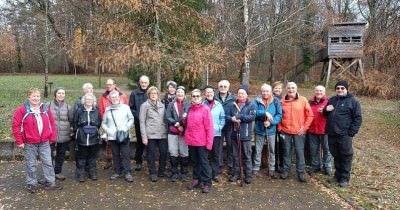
pixel 240 154
pixel 268 153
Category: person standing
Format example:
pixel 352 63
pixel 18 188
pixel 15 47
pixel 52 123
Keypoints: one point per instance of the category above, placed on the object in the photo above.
pixel 277 92
pixel 34 128
pixel 268 116
pixel 316 133
pixel 154 132
pixel 175 115
pixel 199 136
pixel 343 123
pixel 63 117
pixel 296 120
pixel 218 116
pixel 104 102
pixel 226 98
pixel 118 117
pixel 136 99
pixel 241 115
pixel 86 124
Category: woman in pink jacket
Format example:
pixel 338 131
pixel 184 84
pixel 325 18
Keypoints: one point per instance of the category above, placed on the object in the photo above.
pixel 199 137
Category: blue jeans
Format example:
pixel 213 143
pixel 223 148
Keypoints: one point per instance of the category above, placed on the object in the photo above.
pixel 201 165
pixel 59 149
pixel 298 141
pixel 316 142
pixel 260 141
pixel 44 152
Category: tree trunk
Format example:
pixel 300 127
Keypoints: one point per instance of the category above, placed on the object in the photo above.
pixel 246 55
pixel 157 38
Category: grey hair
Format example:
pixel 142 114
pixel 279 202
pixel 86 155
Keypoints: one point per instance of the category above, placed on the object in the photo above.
pixel 320 86
pixel 86 85
pixel 144 77
pixel 87 95
pixel 265 85
pixel 291 83
pixel 113 93
pixel 224 81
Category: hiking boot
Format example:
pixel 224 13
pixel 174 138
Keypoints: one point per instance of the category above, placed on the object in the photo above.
pixel 114 176
pixel 328 171
pixel 174 177
pixel 108 165
pixel 301 177
pixel 60 177
pixel 128 177
pixel 93 177
pixel 233 178
pixel 53 187
pixel 273 175
pixel 162 174
pixel 153 177
pixel 184 178
pixel 284 175
pixel 343 184
pixel 217 178
pixel 194 184
pixel 255 172
pixel 81 179
pixel 138 167
pixel 42 182
pixel 247 180
pixel 32 188
pixel 205 189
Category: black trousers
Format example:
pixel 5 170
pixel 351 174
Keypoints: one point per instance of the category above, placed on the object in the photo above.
pixel 341 148
pixel 226 136
pixel 216 155
pixel 152 145
pixel 246 152
pixel 139 145
pixel 86 155
pixel 201 165
pixel 120 157
pixel 59 149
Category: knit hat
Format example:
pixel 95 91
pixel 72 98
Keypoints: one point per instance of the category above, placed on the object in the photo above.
pixel 342 83
pixel 244 87
pixel 171 83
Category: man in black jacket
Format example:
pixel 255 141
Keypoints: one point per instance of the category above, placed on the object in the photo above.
pixel 344 121
pixel 137 98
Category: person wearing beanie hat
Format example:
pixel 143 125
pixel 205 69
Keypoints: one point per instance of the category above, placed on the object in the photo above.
pixel 344 121
pixel 63 118
pixel 171 92
pixel 241 115
pixel 245 88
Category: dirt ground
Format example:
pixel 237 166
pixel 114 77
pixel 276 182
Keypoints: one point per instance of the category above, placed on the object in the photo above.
pixel 263 193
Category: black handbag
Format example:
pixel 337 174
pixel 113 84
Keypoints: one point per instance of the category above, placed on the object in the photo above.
pixel 89 129
pixel 122 137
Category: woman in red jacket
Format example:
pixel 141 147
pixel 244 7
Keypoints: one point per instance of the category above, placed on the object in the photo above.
pixel 34 128
pixel 199 136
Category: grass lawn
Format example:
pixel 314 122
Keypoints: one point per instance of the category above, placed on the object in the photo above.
pixel 15 87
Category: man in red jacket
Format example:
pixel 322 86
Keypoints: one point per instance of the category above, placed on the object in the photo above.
pixel 316 133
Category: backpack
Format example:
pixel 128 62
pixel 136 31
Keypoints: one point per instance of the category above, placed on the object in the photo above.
pixel 27 112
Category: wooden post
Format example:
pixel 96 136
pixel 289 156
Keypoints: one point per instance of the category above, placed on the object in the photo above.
pixel 329 72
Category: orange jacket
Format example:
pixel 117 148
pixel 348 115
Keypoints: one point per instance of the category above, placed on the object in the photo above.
pixel 297 114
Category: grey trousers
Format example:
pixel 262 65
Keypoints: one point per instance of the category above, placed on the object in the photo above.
pixel 260 141
pixel 44 152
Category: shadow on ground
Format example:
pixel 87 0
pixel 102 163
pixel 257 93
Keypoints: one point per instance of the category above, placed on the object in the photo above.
pixel 263 193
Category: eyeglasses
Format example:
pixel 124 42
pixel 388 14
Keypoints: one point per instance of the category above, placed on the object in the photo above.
pixel 340 88
pixel 223 86
pixel 195 96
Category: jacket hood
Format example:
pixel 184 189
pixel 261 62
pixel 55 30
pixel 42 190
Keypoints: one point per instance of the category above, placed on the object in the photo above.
pixel 313 100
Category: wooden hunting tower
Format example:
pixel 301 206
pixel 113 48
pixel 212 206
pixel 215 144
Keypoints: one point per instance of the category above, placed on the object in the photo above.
pixel 344 50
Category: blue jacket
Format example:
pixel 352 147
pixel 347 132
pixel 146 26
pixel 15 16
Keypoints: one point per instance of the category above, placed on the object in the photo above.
pixel 246 115
pixel 274 108
pixel 230 98
pixel 218 116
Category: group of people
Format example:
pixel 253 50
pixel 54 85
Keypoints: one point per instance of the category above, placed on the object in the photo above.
pixel 194 129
